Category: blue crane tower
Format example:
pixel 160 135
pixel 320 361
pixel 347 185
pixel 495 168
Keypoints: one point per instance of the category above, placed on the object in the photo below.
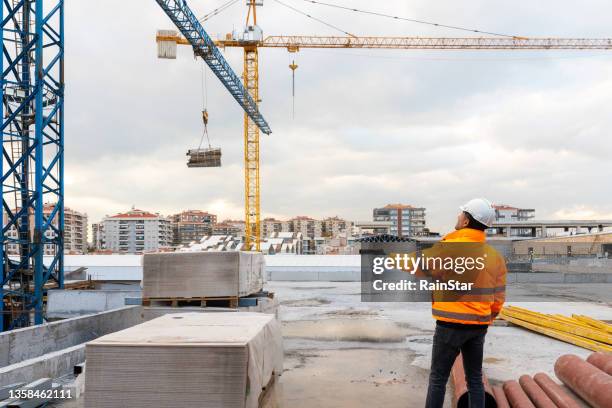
pixel 32 166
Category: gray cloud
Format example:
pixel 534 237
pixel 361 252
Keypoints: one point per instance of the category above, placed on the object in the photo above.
pixel 427 128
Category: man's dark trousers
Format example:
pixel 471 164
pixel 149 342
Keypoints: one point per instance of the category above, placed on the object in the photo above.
pixel 449 340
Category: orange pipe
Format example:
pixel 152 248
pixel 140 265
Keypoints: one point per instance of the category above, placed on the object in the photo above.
pixel 601 361
pixel 586 380
pixel 516 396
pixel 500 398
pixel 460 397
pixel 535 393
pixel 555 392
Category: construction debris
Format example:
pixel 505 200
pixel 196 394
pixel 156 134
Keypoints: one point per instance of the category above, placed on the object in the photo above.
pixel 578 330
pixel 202 274
pixel 209 360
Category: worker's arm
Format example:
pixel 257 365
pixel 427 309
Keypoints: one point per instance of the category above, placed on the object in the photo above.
pixel 500 287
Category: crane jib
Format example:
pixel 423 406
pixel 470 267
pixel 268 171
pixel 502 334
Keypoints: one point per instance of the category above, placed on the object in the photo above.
pixel 204 47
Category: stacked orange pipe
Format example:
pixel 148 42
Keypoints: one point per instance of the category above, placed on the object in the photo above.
pixel 590 379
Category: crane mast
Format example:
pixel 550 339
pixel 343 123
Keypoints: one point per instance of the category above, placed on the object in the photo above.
pixel 32 167
pixel 252 203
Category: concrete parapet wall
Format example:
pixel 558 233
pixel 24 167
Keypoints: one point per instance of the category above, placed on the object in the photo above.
pixel 573 268
pixel 62 304
pixel 305 274
pixel 299 275
pixel 51 365
pixel 31 342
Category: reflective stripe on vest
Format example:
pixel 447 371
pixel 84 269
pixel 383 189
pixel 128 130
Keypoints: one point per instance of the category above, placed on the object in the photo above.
pixel 461 316
pixel 483 291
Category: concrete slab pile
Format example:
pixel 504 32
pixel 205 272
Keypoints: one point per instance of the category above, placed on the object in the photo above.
pixel 184 360
pixel 202 274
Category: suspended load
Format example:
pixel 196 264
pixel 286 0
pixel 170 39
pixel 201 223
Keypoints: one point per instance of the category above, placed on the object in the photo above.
pixel 204 157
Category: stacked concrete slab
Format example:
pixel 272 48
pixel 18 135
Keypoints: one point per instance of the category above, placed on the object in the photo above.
pixel 185 360
pixel 202 274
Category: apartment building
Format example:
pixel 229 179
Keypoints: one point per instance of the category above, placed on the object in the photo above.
pixel 406 220
pixel 234 228
pixel 334 226
pixel 75 232
pixel 272 226
pixel 191 225
pixel 365 228
pixel 136 231
pixel 507 213
pixel 97 232
pixel 308 227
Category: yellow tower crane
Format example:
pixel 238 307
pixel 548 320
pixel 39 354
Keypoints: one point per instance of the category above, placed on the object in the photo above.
pixel 251 39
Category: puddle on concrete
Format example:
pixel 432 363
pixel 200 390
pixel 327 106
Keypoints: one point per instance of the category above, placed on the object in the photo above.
pixel 313 287
pixel 347 329
pixel 313 302
pixel 353 378
pixel 424 340
pixel 296 359
pixel 493 360
pixel 351 312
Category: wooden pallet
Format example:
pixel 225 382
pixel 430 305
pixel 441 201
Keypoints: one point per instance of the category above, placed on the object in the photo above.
pixel 226 301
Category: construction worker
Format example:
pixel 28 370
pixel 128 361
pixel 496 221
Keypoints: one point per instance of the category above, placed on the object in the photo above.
pixel 461 324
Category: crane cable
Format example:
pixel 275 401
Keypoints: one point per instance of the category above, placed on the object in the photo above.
pixel 412 20
pixel 217 11
pixel 204 108
pixel 314 18
pixel 293 66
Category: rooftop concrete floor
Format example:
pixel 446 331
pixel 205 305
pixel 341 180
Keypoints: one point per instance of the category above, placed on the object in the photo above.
pixel 340 352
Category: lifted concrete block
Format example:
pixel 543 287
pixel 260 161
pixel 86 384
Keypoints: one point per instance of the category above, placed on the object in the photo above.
pixel 202 274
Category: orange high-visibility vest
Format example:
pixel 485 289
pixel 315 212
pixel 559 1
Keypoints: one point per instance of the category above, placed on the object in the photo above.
pixel 489 297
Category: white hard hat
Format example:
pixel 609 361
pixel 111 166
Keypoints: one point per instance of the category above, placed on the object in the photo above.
pixel 481 210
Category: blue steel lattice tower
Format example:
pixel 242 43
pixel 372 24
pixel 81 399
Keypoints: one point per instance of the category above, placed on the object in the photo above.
pixel 32 166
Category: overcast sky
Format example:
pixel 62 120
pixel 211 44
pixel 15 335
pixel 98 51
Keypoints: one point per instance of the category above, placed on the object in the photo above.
pixel 427 128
